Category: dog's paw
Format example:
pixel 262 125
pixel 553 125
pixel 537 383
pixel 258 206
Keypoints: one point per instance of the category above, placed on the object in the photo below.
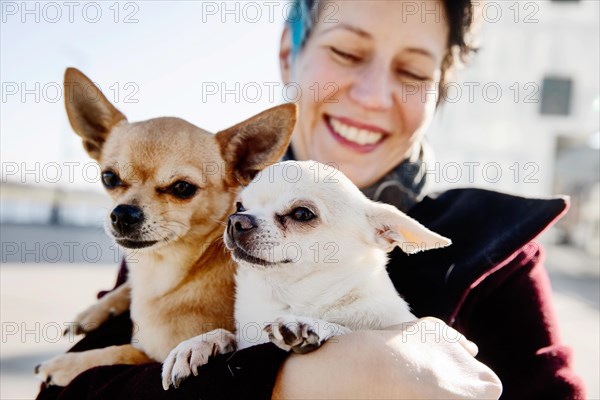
pixel 301 335
pixel 189 355
pixel 60 370
pixel 90 319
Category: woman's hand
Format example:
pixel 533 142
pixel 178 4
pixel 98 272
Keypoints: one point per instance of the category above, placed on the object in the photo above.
pixel 424 359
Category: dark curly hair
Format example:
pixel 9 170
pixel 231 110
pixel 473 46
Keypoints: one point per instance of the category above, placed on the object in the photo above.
pixel 460 16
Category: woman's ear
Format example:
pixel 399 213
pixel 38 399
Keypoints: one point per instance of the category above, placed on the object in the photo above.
pixel 285 55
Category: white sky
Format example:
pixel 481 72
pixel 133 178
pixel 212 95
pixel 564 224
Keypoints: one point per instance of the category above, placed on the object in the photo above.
pixel 177 49
pixel 173 51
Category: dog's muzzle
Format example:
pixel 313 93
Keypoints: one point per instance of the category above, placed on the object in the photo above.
pixel 239 239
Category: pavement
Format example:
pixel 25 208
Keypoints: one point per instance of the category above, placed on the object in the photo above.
pixel 36 301
pixel 575 279
pixel 38 298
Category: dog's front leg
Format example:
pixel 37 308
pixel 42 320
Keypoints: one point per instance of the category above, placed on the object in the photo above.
pixel 302 334
pixel 62 369
pixel 189 355
pixel 112 304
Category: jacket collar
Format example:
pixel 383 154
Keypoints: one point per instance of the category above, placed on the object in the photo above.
pixel 485 227
pixel 403 186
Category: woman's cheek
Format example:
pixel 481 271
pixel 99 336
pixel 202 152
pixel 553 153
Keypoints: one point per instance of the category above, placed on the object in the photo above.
pixel 416 110
pixel 321 82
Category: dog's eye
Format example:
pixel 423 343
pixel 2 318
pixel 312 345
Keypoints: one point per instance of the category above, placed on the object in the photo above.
pixel 239 207
pixel 182 189
pixel 111 180
pixel 302 214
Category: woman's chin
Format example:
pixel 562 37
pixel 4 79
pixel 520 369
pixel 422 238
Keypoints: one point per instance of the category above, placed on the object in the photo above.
pixel 361 171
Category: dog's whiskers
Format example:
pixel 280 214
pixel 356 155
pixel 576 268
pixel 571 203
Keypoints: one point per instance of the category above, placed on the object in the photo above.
pixel 222 223
pixel 169 229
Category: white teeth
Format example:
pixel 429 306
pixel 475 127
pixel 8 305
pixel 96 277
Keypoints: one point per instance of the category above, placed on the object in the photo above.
pixel 363 137
pixel 360 136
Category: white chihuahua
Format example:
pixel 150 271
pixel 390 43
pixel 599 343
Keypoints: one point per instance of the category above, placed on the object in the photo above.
pixel 312 253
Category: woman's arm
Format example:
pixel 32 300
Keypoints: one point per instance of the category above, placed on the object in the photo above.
pixel 422 360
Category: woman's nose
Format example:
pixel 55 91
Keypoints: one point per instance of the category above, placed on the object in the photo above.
pixel 372 87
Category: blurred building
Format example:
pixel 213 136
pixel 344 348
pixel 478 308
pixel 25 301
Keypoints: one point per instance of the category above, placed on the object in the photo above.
pixel 51 204
pixel 523 117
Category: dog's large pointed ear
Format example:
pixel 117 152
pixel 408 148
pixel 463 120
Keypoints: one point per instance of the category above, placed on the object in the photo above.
pixel 254 144
pixel 394 228
pixel 90 114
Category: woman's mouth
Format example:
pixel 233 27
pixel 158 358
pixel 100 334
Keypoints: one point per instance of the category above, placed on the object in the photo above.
pixel 357 136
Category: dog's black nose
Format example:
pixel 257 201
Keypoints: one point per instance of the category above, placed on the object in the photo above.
pixel 126 219
pixel 239 224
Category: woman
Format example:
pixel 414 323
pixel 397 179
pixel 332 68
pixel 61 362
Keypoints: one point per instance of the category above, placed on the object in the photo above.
pixel 383 63
pixel 494 291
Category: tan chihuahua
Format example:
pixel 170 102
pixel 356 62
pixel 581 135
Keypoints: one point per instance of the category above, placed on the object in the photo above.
pixel 173 186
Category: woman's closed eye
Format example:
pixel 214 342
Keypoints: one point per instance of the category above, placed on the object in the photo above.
pixel 405 74
pixel 351 58
pixel 345 56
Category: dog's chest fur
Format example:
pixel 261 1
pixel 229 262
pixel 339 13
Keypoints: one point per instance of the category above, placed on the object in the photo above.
pixel 171 301
pixel 358 298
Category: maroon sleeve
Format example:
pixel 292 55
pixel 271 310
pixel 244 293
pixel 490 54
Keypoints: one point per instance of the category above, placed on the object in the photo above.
pixel 510 316
pixel 121 278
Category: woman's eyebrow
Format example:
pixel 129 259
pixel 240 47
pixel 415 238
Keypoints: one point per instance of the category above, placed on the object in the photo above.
pixel 350 28
pixel 367 35
pixel 419 50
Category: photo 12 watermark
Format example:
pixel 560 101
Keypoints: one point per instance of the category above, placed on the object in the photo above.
pixel 267 11
pixel 49 331
pixel 53 12
pixel 439 172
pixel 53 252
pixel 272 92
pixel 54 92
pixel 404 91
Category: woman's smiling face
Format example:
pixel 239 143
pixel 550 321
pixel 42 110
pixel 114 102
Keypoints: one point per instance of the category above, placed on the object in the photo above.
pixel 368 84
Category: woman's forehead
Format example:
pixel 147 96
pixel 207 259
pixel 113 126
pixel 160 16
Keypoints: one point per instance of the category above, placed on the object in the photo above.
pixel 400 24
